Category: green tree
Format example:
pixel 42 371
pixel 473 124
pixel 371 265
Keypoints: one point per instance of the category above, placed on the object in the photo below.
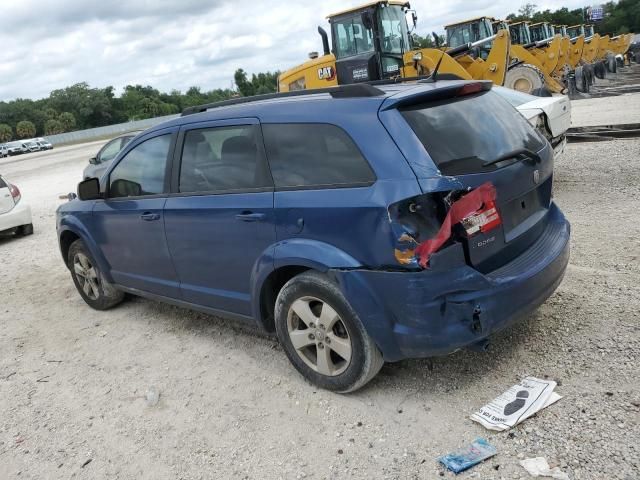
pixel 67 121
pixel 6 133
pixel 53 127
pixel 25 129
pixel 527 10
pixel 259 84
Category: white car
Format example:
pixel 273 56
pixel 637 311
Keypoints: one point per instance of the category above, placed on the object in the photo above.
pixel 15 215
pixel 550 115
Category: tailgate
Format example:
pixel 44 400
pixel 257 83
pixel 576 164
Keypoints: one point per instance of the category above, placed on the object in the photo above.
pixel 478 139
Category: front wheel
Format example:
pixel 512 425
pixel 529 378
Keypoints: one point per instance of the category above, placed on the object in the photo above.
pixel 94 289
pixel 322 335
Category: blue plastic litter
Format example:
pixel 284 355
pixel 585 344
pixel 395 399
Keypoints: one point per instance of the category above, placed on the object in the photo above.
pixel 467 457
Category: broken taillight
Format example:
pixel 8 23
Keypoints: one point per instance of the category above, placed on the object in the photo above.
pixel 476 211
pixel 484 220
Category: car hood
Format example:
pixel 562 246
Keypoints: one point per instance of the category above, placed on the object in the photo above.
pixel 556 109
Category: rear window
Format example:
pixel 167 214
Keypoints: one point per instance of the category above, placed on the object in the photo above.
pixel 463 133
pixel 314 155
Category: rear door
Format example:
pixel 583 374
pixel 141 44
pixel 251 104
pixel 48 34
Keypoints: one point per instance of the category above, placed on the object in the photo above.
pixel 219 219
pixel 6 200
pixel 129 225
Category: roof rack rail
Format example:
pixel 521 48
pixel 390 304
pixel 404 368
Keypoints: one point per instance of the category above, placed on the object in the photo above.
pixel 355 90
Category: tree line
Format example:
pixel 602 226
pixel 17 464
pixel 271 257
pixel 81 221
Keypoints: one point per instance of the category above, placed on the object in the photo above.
pixel 80 106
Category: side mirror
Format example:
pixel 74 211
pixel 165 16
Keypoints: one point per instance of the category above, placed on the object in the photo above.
pixel 93 161
pixel 89 189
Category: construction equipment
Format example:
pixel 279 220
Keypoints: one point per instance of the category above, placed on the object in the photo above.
pixel 370 42
pixel 531 66
pixel 489 58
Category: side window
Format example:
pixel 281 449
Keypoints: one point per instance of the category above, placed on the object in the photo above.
pixel 110 150
pixel 222 159
pixel 142 171
pixel 314 155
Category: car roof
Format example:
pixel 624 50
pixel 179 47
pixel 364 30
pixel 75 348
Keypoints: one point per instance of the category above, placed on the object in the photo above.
pixel 303 107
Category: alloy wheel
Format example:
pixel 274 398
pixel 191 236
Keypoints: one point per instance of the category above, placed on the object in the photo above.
pixel 87 276
pixel 319 336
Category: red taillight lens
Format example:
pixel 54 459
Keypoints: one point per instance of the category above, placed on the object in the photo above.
pixel 15 193
pixel 485 219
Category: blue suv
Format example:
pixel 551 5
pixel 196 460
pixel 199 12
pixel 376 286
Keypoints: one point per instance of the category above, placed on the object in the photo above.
pixel 361 224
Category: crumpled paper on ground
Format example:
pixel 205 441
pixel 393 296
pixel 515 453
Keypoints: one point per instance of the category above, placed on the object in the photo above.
pixel 539 467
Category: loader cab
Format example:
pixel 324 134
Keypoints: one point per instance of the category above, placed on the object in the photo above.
pixel 471 31
pixel 540 31
pixel 520 34
pixel 588 31
pixel 498 25
pixel 575 31
pixel 369 42
pixel 560 30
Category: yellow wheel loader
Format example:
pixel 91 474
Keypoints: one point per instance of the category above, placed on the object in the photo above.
pixel 370 42
pixel 527 69
pixel 488 59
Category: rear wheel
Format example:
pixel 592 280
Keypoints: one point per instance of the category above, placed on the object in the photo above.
pixel 322 335
pixel 600 70
pixel 611 64
pixel 524 78
pixel 89 281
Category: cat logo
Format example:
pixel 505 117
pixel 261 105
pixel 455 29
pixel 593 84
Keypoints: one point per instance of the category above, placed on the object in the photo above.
pixel 326 73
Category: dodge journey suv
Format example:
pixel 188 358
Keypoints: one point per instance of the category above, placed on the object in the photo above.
pixel 360 224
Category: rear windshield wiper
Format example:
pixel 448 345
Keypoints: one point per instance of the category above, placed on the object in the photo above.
pixel 520 152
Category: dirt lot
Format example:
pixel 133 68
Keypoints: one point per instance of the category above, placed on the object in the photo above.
pixel 73 381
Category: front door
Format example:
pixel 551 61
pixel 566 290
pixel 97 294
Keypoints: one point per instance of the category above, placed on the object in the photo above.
pixel 129 223
pixel 219 220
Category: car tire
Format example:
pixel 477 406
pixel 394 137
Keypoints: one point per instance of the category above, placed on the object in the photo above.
pixel 312 312
pixel 25 230
pixel 94 289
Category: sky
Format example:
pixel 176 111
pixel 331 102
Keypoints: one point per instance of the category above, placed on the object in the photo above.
pixel 175 44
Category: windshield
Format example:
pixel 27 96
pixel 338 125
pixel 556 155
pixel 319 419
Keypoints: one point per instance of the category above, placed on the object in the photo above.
pixel 351 37
pixel 459 136
pixel 393 29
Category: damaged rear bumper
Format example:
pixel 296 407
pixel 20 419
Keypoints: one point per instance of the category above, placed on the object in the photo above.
pixel 429 313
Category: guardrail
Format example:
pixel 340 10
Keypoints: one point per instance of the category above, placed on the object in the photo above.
pixel 106 131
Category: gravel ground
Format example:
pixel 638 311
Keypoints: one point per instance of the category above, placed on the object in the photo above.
pixel 73 381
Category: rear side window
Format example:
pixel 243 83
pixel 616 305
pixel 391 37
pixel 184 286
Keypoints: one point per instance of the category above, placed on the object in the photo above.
pixel 222 159
pixel 314 155
pixel 463 133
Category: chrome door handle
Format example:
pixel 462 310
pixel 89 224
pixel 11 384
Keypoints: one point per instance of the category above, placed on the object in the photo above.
pixel 251 217
pixel 150 217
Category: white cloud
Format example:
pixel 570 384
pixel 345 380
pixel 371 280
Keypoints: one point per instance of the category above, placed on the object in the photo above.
pixel 176 44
